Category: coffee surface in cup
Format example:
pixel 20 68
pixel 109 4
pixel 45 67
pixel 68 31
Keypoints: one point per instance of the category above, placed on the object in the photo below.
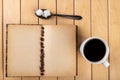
pixel 94 50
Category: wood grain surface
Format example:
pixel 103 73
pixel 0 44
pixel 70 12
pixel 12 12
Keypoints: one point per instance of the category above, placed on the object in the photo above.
pixel 27 9
pixel 101 18
pixel 65 7
pixel 114 39
pixel 11 15
pixel 82 7
pixel 99 14
pixel 51 5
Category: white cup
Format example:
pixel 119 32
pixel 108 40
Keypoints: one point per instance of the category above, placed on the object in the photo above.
pixel 104 59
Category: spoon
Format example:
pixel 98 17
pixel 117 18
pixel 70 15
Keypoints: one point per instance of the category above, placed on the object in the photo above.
pixel 46 14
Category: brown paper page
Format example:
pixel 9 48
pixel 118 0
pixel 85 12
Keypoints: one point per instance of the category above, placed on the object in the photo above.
pixel 60 50
pixel 23 50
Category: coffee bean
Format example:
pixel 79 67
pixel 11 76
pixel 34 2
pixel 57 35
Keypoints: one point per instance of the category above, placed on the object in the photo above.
pixel 41 61
pixel 42 46
pixel 42 39
pixel 42 56
pixel 42 50
pixel 42 73
pixel 42 27
pixel 42 70
pixel 42 34
pixel 41 43
pixel 42 31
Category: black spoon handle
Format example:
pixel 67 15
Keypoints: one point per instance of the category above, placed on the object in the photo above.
pixel 75 17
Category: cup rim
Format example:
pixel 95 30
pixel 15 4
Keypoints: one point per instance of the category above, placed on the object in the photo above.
pixel 105 56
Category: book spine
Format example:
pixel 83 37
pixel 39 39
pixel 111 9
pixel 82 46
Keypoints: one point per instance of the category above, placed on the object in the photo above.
pixel 42 52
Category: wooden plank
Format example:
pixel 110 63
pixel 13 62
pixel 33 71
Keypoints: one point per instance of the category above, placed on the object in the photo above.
pixel 50 5
pixel 82 7
pixel 13 78
pixel 30 78
pixel 28 16
pixel 1 63
pixel 64 7
pixel 99 29
pixel 11 11
pixel 65 78
pixel 114 39
pixel 28 9
pixel 48 78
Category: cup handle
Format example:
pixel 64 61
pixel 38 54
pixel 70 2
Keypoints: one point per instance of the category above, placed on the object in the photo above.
pixel 106 64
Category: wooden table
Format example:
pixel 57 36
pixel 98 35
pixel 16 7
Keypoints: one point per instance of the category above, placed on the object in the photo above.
pixel 100 18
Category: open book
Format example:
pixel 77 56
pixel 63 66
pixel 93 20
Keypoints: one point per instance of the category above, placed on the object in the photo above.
pixel 41 50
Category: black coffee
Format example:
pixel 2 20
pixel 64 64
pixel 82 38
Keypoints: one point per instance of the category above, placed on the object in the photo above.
pixel 94 50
